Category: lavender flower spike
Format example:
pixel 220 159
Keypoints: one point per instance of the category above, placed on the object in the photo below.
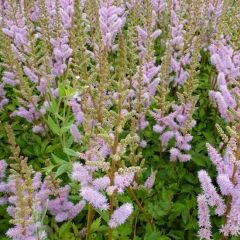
pixel 95 198
pixel 204 218
pixel 120 215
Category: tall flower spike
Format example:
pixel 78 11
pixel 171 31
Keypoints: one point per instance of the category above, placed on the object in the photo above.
pixel 150 180
pixel 62 208
pixel 159 6
pixel 215 157
pixel 120 215
pixel 213 198
pixel 77 111
pixel 3 166
pixel 121 181
pixel 75 133
pixel 232 225
pixel 111 20
pixel 80 173
pixel 3 186
pixel 203 218
pixel 95 198
pixel 62 52
pixel 224 58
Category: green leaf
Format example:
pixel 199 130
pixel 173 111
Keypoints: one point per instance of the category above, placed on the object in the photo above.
pixel 199 159
pixel 95 225
pixel 58 160
pixel 53 126
pixel 44 145
pixel 104 215
pixel 185 215
pixel 64 228
pixel 75 229
pixel 48 169
pixel 66 126
pixel 70 152
pixel 125 229
pixel 61 90
pixel 153 236
pixel 51 148
pixel 62 169
pixel 53 107
pixel 191 178
pixel 69 91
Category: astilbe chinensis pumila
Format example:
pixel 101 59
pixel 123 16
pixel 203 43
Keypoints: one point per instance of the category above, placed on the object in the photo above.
pixel 92 74
pixel 148 184
pixel 23 35
pixel 94 190
pixel 111 19
pixel 159 6
pixel 228 184
pixel 204 218
pixel 132 96
pixel 178 59
pixel 120 215
pixel 100 191
pixel 225 96
pixel 28 197
pixel 62 208
pixel 226 61
pixel 215 10
pixel 171 126
pixel 144 82
pixel 184 61
pixel 179 122
pixel 30 226
pixel 75 104
pixel 3 184
pixel 176 121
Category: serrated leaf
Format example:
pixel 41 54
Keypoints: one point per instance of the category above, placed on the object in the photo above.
pixel 48 169
pixel 66 127
pixel 58 160
pixel 70 152
pixel 153 236
pixel 69 91
pixel 104 215
pixel 75 229
pixel 61 90
pixel 53 126
pixel 62 169
pixel 64 228
pixel 95 225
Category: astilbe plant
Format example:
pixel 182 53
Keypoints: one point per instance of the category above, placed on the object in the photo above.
pixel 105 151
pixel 29 197
pixel 226 61
pixel 225 96
pixel 188 35
pixel 226 203
pixel 26 196
pixel 174 120
pixel 92 76
pixel 31 67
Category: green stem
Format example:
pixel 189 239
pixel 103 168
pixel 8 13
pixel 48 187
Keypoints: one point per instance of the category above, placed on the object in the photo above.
pixel 110 234
pixel 89 220
pixel 161 151
pixel 134 196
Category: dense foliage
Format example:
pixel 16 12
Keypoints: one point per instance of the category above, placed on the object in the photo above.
pixel 119 119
